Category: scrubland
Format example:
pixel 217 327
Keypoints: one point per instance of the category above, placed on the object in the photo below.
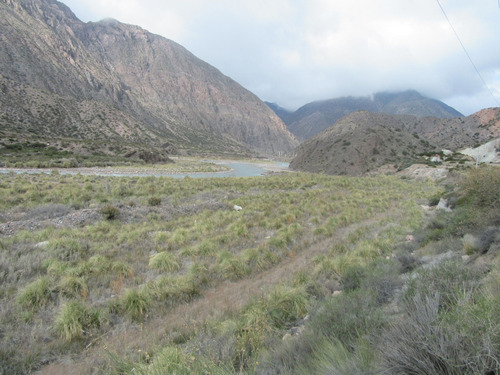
pixel 316 274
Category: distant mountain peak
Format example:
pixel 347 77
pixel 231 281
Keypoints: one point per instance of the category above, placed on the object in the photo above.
pixel 314 117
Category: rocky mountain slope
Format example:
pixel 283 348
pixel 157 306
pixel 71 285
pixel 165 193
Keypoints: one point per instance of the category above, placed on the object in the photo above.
pixel 365 142
pixel 313 118
pixel 282 113
pixel 111 82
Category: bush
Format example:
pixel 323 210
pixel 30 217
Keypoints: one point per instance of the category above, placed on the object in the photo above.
pixel 352 277
pixel 164 261
pixel 333 357
pixel 72 287
pixel 482 187
pixel 347 317
pixel 448 279
pixel 173 360
pixel 36 294
pixel 136 303
pixel 463 340
pixel 74 320
pixel 285 305
pixel 408 262
pixel 154 201
pixel 69 248
pixel 110 212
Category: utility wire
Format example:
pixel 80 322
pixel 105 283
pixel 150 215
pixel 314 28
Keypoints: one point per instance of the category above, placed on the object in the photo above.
pixel 467 53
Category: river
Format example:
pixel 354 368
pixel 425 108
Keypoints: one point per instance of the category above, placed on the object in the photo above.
pixel 237 169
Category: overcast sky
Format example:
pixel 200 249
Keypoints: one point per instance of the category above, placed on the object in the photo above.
pixel 292 52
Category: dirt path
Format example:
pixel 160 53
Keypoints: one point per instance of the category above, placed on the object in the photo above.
pixel 227 297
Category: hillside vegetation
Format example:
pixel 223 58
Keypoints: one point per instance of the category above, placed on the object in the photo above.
pixel 156 275
pixel 365 142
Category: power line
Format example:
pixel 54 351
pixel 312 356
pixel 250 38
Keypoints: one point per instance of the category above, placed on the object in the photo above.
pixel 467 53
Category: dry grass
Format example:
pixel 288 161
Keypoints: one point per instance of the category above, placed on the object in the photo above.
pixel 187 260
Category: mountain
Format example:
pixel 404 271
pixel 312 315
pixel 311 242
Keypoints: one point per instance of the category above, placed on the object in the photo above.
pixel 364 142
pixel 313 118
pixel 108 82
pixel 282 113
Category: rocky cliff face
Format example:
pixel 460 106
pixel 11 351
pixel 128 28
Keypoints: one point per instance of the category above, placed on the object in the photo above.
pixel 363 142
pixel 313 118
pixel 108 80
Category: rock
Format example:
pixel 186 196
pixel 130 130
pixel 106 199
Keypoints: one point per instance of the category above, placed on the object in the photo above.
pixel 443 205
pixel 237 208
pixel 429 261
pixel 42 245
pixel 297 331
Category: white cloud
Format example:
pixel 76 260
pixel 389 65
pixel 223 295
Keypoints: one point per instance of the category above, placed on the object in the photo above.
pixel 296 51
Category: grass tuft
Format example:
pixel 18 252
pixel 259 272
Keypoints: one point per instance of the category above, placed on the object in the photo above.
pixel 136 303
pixel 164 262
pixel 36 295
pixel 75 321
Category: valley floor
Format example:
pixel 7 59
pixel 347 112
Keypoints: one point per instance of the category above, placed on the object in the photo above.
pixel 180 168
pixel 114 275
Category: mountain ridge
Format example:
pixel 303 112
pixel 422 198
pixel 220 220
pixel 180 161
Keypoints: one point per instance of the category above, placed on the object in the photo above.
pixel 363 142
pixel 312 118
pixel 142 80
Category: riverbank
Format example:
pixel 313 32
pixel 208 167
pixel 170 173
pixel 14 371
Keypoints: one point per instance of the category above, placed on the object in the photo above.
pixel 180 168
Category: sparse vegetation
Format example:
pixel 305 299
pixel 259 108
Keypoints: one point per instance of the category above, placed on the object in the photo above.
pixel 110 212
pixel 305 279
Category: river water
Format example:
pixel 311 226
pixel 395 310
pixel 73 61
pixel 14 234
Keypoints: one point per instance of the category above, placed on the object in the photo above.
pixel 238 169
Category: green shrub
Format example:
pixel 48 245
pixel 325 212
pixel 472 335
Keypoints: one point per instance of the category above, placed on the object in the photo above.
pixel 348 316
pixel 173 360
pixel 55 267
pixel 285 305
pixel 231 267
pixel 207 247
pixel 136 303
pixel 285 356
pixel 331 356
pixel 122 269
pixel 164 261
pixel 36 294
pixel 69 248
pixel 449 279
pixel 428 340
pixel 72 287
pixel 74 320
pixel 154 201
pixel 110 212
pixel 482 187
pixel 352 277
pixel 176 289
